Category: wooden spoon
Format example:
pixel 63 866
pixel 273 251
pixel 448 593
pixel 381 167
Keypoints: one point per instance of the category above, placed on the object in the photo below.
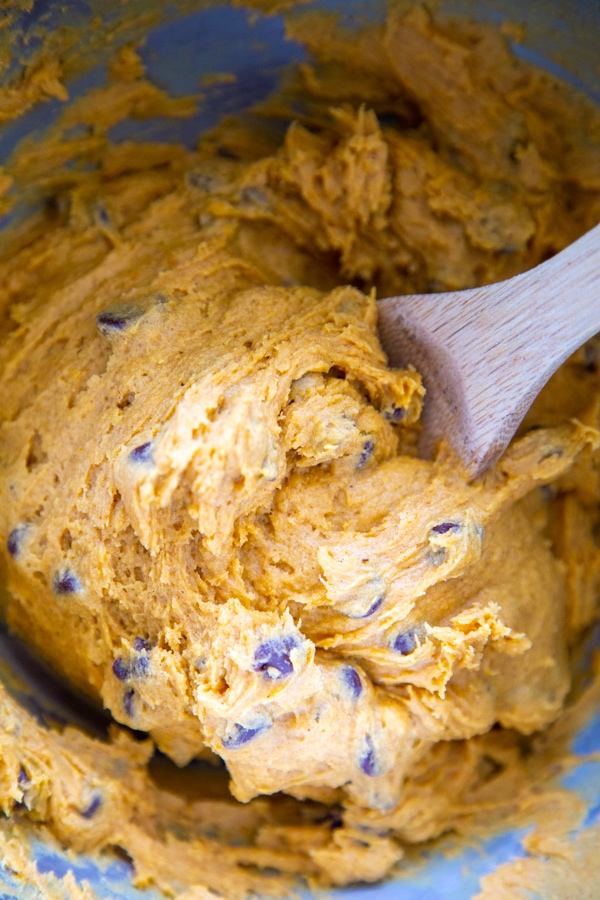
pixel 485 353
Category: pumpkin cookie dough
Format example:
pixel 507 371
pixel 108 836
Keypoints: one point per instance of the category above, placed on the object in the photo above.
pixel 213 517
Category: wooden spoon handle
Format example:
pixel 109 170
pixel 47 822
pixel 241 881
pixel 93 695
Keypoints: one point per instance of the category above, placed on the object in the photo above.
pixel 486 353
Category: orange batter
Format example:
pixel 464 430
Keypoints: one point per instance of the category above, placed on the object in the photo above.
pixel 213 516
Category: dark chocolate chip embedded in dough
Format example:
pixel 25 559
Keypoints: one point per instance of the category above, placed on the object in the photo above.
pixel 117 319
pixel 374 606
pixel 102 216
pixel 366 453
pixel 394 413
pixel 240 735
pixel 141 643
pixel 125 670
pixel 369 612
pixel 14 541
pixel 120 669
pixel 139 666
pixel 445 527
pixel 92 808
pixel 368 761
pixel 66 582
pixel 128 698
pixel 273 656
pixel 352 681
pixel 367 600
pixel 142 454
pixel 405 642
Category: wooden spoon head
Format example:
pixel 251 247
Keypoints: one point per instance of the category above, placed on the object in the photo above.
pixel 450 410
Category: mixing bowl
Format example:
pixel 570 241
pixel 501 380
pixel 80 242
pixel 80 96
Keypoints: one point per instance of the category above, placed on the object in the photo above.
pixel 189 41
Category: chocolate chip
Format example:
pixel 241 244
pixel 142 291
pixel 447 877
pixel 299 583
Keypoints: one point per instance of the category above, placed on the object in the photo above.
pixel 367 599
pixel 117 319
pixel 141 643
pixel 66 582
pixel 369 612
pixel 125 670
pixel 15 540
pixel 102 216
pixel 239 735
pixel 142 454
pixel 366 453
pixel 139 667
pixel 92 808
pixel 352 681
pixel 405 642
pixel 120 669
pixel 437 553
pixel 374 606
pixel 12 543
pixel 273 656
pixel 368 761
pixel 394 413
pixel 445 527
pixel 128 698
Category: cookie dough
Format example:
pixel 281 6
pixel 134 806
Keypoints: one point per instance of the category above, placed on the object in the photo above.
pixel 213 517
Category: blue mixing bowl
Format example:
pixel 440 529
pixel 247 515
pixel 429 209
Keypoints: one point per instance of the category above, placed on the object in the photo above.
pixel 562 37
